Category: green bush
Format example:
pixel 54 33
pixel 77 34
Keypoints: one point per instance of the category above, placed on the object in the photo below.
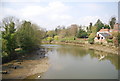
pixel 56 37
pixel 91 40
pixel 109 40
pixel 50 39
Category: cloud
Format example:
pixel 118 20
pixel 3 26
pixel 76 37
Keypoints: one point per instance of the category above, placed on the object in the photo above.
pixel 51 14
pixel 86 20
pixel 60 0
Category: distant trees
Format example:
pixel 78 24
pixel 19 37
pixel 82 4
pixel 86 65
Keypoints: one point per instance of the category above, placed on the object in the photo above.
pixel 92 35
pixel 72 30
pixel 50 33
pixel 90 26
pixel 81 34
pixel 112 22
pixel 99 24
pixel 106 26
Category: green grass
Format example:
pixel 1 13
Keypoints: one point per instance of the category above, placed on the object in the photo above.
pixel 69 39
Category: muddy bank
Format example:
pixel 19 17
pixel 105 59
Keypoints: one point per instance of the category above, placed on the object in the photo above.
pixel 107 49
pixel 34 63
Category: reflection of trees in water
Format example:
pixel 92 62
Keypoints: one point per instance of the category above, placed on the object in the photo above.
pixel 73 50
pixel 114 59
pixel 81 52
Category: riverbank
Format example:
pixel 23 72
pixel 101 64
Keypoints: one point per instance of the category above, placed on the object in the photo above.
pixel 25 66
pixel 98 47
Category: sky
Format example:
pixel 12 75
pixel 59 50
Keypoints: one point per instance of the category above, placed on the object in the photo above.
pixel 49 14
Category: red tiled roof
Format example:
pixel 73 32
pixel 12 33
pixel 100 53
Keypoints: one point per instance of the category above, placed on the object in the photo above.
pixel 104 30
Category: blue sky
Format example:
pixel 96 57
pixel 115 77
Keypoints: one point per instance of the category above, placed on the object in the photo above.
pixel 51 13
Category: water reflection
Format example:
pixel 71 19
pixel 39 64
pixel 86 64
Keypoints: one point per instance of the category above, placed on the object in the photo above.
pixel 74 62
pixel 82 52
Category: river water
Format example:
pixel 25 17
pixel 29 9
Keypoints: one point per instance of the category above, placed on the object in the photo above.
pixel 74 62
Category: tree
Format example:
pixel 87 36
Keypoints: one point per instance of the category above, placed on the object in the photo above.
pixel 99 24
pixel 81 34
pixel 28 36
pixel 112 22
pixel 119 38
pixel 9 36
pixel 106 26
pixel 51 33
pixel 92 35
pixel 90 26
pixel 72 30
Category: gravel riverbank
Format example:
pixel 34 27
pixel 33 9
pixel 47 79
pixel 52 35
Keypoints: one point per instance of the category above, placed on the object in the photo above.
pixel 26 66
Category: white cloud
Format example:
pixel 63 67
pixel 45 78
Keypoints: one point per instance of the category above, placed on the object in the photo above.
pixel 54 13
pixel 86 20
pixel 60 0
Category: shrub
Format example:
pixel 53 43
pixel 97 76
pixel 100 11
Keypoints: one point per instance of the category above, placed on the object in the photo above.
pixel 56 37
pixel 109 40
pixel 50 39
pixel 91 40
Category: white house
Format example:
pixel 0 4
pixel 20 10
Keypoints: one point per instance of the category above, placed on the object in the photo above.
pixel 102 35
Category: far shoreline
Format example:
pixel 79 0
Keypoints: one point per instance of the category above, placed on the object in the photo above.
pixel 107 49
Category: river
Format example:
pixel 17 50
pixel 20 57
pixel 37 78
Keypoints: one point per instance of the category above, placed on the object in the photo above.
pixel 73 62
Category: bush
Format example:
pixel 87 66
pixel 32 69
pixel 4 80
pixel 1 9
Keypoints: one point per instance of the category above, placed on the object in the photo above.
pixel 109 40
pixel 50 39
pixel 91 40
pixel 119 38
pixel 56 37
pixel 82 34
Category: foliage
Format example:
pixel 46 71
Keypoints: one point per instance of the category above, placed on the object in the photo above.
pixel 28 36
pixel 89 28
pixel 51 34
pixel 109 40
pixel 99 24
pixel 81 34
pixel 91 38
pixel 119 38
pixel 94 29
pixel 8 37
pixel 50 39
pixel 112 22
pixel 92 35
pixel 56 37
pixel 106 27
pixel 116 38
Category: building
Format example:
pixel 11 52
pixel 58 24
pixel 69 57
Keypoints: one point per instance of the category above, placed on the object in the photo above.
pixel 102 35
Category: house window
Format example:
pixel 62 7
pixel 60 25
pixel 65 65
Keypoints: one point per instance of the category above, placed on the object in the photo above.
pixel 98 38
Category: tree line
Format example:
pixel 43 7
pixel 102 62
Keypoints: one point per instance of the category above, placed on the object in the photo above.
pixel 15 34
pixel 78 31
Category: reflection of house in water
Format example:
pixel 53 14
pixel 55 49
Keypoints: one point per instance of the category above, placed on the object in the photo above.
pixel 102 35
pixel 101 55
